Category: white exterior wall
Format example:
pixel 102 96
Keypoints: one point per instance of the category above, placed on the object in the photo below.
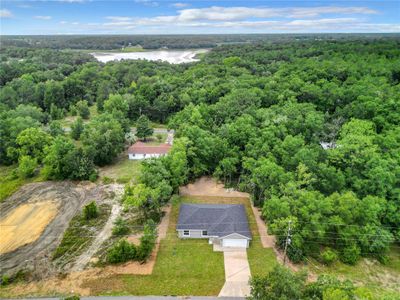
pixel 193 234
pixel 143 156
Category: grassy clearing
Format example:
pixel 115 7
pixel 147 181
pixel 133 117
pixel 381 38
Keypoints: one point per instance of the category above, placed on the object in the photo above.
pixel 183 267
pixel 131 49
pixel 9 183
pixel 123 170
pixel 381 280
pixel 79 235
pixel 69 120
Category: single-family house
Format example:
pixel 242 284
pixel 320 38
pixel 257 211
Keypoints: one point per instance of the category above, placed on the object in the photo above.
pixel 140 150
pixel 222 224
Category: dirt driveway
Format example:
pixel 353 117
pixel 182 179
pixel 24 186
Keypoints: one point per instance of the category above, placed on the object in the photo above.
pixel 237 274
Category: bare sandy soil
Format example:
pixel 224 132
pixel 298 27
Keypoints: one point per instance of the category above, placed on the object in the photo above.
pixel 25 224
pixel 208 186
pixel 42 212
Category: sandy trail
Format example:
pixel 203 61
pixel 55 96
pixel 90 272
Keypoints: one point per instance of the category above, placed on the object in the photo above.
pixel 103 235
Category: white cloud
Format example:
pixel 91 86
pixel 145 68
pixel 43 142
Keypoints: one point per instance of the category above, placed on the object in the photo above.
pixel 43 17
pixel 180 4
pixel 5 13
pixel 218 13
pixel 147 2
pixel 247 19
pixel 118 18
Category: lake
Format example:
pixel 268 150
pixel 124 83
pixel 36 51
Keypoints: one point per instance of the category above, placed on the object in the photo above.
pixel 171 56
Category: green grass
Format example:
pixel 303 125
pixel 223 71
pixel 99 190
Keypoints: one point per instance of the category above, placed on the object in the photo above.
pixel 9 183
pixel 381 280
pixel 131 49
pixel 183 267
pixel 261 260
pixel 79 234
pixel 122 170
pixel 69 120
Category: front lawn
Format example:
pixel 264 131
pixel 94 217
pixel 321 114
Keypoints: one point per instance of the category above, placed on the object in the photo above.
pixel 261 260
pixel 183 267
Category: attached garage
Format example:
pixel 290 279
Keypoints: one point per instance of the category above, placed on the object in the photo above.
pixel 235 243
pixel 235 240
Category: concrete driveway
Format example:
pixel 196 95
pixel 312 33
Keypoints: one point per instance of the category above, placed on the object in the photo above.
pixel 237 274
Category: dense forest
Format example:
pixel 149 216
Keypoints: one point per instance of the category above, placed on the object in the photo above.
pixel 310 128
pixel 181 41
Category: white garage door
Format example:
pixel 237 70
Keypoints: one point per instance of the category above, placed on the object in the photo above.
pixel 237 243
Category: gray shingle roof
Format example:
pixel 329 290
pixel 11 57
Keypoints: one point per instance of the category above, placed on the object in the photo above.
pixel 218 219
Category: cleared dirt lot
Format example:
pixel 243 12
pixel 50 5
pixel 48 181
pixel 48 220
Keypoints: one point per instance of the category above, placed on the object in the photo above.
pixel 25 224
pixel 209 187
pixel 42 212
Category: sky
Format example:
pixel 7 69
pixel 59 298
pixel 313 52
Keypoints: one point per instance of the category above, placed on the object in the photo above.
pixel 196 17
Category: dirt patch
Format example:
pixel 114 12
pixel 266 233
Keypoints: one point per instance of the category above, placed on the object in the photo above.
pixel 67 199
pixel 74 281
pixel 207 186
pixel 25 224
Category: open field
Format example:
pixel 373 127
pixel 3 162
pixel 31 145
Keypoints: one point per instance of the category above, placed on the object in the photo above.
pixel 123 170
pixel 69 120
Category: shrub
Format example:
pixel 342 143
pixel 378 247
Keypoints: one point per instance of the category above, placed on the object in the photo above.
pixel 123 179
pixel 159 137
pixel 83 109
pixel 121 252
pixel 329 256
pixel 350 254
pixel 5 280
pixel 107 180
pixel 93 177
pixel 27 166
pixel 72 298
pixel 120 227
pixel 90 211
pixel 147 241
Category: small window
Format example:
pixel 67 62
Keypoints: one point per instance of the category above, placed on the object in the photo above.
pixel 186 233
pixel 204 233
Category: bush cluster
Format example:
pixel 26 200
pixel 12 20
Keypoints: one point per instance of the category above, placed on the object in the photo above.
pixel 124 251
